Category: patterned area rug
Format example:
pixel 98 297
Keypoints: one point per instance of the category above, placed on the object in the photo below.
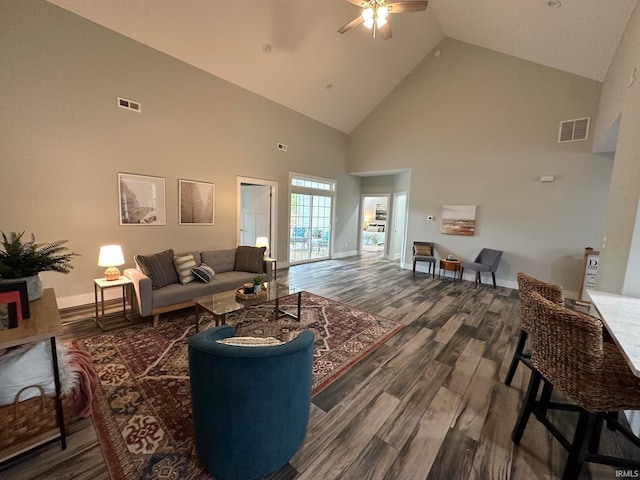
pixel 142 409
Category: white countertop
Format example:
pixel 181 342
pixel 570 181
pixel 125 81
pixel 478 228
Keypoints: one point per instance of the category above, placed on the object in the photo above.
pixel 621 316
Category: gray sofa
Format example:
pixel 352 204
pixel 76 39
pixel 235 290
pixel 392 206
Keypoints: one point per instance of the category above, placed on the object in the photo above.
pixel 157 290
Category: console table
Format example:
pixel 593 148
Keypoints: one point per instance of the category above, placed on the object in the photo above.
pixel 44 323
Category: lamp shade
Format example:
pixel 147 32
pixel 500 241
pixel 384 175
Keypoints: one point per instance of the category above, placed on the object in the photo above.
pixel 262 242
pixel 110 256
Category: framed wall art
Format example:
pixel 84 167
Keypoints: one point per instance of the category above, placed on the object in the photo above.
pixel 459 219
pixel 142 200
pixel 197 202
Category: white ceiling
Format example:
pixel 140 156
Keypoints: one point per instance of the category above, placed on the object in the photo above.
pixel 338 79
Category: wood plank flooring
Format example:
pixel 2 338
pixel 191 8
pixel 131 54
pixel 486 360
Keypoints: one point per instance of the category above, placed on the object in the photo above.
pixel 428 404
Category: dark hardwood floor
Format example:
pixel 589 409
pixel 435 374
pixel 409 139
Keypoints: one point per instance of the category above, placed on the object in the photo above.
pixel 429 404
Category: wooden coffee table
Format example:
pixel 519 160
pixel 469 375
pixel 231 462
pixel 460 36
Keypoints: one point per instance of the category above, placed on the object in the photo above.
pixel 219 304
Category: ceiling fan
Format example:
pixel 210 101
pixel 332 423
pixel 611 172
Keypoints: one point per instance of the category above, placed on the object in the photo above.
pixel 374 14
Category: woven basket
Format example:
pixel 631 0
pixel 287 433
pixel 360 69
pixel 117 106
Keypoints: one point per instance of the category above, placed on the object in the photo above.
pixel 23 420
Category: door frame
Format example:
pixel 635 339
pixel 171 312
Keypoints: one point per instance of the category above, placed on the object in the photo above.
pixel 273 223
pixel 385 251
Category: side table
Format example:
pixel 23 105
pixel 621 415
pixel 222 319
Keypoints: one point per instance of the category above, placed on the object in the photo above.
pixel 274 267
pixel 453 266
pixel 43 324
pixel 102 284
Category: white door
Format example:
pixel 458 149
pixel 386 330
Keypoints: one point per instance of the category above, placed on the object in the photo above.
pixel 399 225
pixel 255 213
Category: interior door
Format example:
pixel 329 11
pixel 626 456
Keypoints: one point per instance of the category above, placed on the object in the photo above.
pixel 255 213
pixel 399 225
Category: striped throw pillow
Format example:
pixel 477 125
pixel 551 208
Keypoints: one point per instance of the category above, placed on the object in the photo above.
pixel 184 264
pixel 159 268
pixel 203 272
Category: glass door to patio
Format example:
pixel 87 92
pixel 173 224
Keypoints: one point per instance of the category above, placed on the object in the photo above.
pixel 310 228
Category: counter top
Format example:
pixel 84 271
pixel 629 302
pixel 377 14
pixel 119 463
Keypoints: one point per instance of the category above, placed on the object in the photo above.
pixel 621 316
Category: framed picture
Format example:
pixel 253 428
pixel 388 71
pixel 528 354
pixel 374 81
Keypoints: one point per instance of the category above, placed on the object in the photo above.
pixel 14 304
pixel 459 219
pixel 197 202
pixel 142 200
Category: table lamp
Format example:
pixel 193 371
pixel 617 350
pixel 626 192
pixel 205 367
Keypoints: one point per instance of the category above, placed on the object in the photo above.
pixel 263 242
pixel 111 256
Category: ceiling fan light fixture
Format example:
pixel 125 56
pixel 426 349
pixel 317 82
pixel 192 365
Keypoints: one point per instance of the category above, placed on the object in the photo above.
pixel 381 15
pixel 367 15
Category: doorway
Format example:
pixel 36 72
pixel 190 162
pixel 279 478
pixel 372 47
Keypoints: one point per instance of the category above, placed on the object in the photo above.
pixel 374 223
pixel 257 200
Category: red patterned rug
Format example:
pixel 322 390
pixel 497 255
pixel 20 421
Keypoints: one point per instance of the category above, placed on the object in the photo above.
pixel 142 409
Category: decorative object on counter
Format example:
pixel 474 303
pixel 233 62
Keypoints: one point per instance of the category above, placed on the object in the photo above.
pixel 23 261
pixel 111 257
pixel 248 289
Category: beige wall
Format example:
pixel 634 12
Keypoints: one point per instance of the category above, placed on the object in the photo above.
pixel 618 267
pixel 63 140
pixel 477 127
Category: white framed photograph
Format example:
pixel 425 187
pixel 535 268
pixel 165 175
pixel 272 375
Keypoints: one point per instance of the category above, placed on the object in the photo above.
pixel 142 199
pixel 197 202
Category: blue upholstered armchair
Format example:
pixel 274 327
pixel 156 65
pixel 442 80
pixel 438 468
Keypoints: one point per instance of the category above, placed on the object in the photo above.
pixel 250 404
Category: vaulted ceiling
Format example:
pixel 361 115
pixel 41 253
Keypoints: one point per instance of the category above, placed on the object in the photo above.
pixel 289 51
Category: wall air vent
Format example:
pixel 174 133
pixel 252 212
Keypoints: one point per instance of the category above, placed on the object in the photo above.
pixel 574 130
pixel 129 104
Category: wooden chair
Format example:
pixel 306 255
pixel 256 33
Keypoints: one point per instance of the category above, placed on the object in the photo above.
pixel 551 292
pixel 423 252
pixel 569 353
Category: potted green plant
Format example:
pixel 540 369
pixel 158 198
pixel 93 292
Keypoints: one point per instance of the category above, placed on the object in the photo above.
pixel 23 261
pixel 257 283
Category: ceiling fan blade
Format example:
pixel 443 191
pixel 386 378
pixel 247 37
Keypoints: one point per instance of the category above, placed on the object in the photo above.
pixel 353 23
pixel 385 31
pixel 403 7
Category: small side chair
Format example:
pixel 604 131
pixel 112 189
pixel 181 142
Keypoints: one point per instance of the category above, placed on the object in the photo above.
pixel 423 252
pixel 486 261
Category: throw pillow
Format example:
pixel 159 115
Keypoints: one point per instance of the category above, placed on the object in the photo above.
pixel 159 268
pixel 204 272
pixel 184 265
pixel 422 250
pixel 250 341
pixel 250 259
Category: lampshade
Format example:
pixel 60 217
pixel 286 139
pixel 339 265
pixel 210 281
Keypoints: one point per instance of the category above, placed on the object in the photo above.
pixel 262 242
pixel 111 256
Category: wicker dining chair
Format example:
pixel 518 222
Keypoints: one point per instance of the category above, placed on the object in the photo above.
pixel 550 291
pixel 568 352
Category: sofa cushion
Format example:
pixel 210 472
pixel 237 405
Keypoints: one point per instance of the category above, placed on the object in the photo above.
pixel 204 272
pixel 220 260
pixel 184 265
pixel 159 268
pixel 250 259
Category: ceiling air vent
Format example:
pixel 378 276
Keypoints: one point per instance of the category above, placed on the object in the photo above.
pixel 574 130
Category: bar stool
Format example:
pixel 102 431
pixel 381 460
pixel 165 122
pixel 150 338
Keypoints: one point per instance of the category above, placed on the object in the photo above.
pixel 551 292
pixel 568 352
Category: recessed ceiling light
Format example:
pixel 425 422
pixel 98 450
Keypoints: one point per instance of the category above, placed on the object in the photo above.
pixel 554 3
pixel 266 49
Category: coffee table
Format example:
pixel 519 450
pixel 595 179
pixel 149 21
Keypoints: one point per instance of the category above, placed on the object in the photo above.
pixel 219 304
